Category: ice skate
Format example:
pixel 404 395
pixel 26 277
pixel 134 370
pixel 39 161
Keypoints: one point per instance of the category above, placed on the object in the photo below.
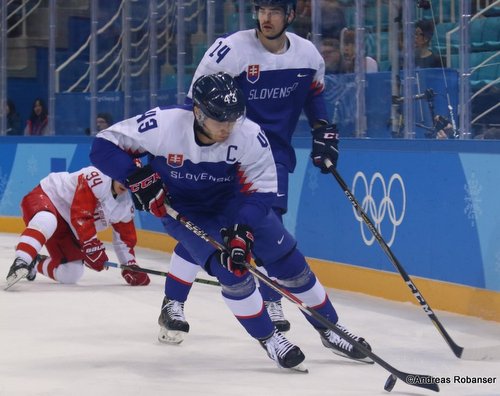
pixel 173 324
pixel 342 347
pixel 275 311
pixel 283 352
pixel 32 274
pixel 18 270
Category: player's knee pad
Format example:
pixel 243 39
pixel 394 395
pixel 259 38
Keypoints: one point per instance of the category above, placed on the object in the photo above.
pixel 238 288
pixel 69 273
pixel 292 271
pixel 45 222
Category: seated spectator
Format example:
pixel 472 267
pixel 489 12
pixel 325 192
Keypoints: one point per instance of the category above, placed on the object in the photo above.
pixel 332 19
pixel 38 123
pixel 103 121
pixel 349 53
pixel 13 119
pixel 424 57
pixel 330 51
pixel 444 128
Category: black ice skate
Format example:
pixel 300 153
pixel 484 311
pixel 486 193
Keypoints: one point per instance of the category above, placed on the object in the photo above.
pixel 283 352
pixel 32 274
pixel 173 324
pixel 275 311
pixel 18 270
pixel 342 347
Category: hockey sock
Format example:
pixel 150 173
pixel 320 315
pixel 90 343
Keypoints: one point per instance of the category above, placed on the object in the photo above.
pixel 244 300
pixel 181 275
pixel 30 243
pixel 251 313
pixel 316 298
pixel 67 273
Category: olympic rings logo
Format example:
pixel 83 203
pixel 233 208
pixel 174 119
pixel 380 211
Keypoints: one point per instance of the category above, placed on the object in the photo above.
pixel 377 210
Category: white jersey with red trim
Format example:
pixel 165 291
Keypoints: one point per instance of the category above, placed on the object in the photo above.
pixel 84 199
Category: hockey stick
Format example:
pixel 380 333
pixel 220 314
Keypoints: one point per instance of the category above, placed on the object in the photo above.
pixel 155 272
pixel 479 354
pixel 420 380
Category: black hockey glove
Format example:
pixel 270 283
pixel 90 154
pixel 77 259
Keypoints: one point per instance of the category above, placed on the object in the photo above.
pixel 148 192
pixel 239 242
pixel 325 145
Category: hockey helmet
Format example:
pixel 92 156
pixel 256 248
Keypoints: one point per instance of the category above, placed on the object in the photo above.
pixel 287 5
pixel 218 97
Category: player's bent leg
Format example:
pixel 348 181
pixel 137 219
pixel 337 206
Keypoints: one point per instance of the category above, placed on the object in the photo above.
pixel 182 273
pixel 39 229
pixel 245 302
pixel 272 301
pixel 66 273
pixel 295 275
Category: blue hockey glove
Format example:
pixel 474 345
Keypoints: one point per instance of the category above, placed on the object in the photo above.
pixel 325 145
pixel 239 242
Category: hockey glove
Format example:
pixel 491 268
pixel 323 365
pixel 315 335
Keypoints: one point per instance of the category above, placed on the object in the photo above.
pixel 94 254
pixel 134 278
pixel 325 145
pixel 239 242
pixel 148 192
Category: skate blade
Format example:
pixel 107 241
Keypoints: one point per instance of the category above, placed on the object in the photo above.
pixel 16 277
pixel 365 359
pixel 300 368
pixel 170 336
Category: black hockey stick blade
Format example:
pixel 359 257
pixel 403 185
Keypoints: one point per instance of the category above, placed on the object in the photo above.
pixel 155 272
pixel 422 381
pixel 457 350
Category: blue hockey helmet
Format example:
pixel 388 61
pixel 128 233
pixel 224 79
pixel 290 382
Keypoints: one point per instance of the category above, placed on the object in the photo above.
pixel 287 5
pixel 218 97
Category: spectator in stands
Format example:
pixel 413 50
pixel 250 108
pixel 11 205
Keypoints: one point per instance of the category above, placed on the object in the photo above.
pixel 330 51
pixel 13 119
pixel 302 23
pixel 424 57
pixel 332 19
pixel 103 121
pixel 349 52
pixel 38 123
pixel 444 128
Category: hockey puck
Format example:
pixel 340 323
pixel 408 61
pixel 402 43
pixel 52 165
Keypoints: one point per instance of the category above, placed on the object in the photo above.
pixel 391 381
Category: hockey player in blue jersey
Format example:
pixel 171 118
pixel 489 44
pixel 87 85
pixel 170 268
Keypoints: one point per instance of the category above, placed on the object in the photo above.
pixel 280 74
pixel 215 166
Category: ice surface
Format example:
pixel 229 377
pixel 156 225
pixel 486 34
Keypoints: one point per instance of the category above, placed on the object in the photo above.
pixel 99 338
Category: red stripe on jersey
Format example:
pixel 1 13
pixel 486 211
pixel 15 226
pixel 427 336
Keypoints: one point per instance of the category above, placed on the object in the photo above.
pixel 317 87
pixel 246 188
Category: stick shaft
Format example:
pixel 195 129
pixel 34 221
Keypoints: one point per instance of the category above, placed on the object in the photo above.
pixel 155 272
pixel 457 350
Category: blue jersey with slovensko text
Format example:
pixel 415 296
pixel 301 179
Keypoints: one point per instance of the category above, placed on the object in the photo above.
pixel 277 87
pixel 205 178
